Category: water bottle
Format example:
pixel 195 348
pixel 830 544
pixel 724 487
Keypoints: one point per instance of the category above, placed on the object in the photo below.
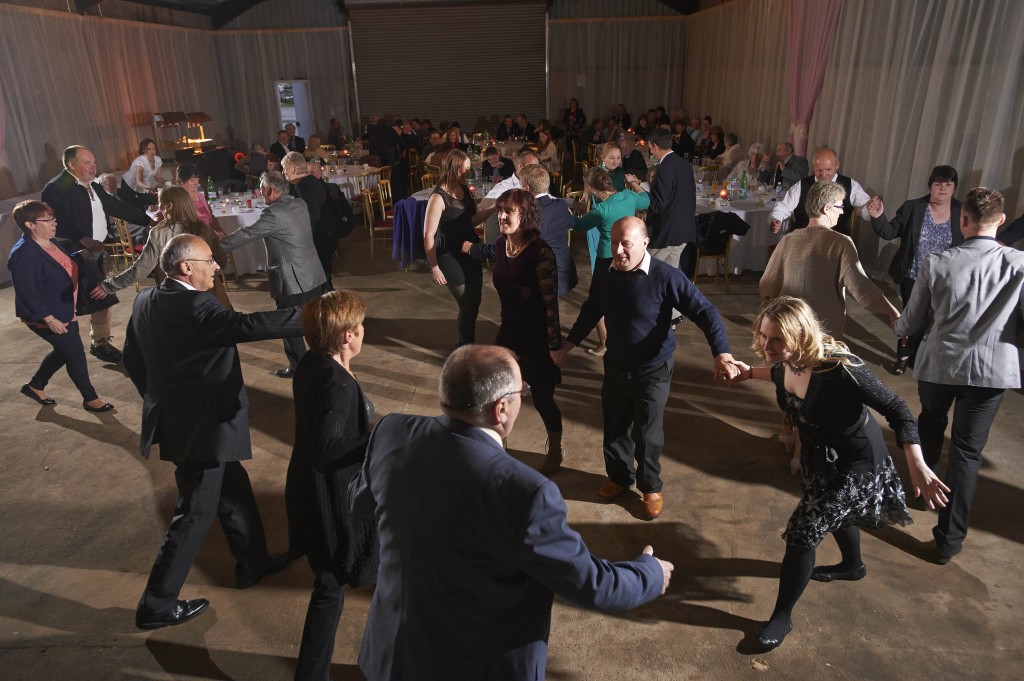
pixel 211 191
pixel 743 185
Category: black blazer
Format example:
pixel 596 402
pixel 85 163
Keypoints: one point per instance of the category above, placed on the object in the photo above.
pixel 332 427
pixel 314 193
pixel 41 286
pixel 673 203
pixel 297 144
pixel 555 224
pixel 279 150
pixel 506 170
pixel 906 227
pixel 180 352
pixel 70 203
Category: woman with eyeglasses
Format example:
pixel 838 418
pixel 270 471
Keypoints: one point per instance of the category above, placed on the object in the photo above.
pixel 47 282
pixel 526 279
pixel 179 217
pixel 819 265
pixel 848 477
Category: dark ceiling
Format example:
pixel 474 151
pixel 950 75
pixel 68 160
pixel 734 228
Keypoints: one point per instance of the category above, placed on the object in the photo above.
pixel 220 11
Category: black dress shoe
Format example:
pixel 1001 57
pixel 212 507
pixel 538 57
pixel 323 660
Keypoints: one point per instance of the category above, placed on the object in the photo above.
pixel 272 565
pixel 28 392
pixel 829 573
pixel 945 554
pixel 770 640
pixel 105 352
pixel 284 373
pixel 107 406
pixel 182 612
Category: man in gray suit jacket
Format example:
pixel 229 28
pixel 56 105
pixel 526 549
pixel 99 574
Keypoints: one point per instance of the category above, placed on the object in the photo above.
pixel 474 544
pixel 974 294
pixel 294 268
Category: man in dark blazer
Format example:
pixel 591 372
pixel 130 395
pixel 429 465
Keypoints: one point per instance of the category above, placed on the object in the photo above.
pixel 474 544
pixel 295 143
pixel 313 192
pixel 280 147
pixel 82 209
pixel 180 353
pixel 496 168
pixel 671 218
pixel 556 222
pixel 296 274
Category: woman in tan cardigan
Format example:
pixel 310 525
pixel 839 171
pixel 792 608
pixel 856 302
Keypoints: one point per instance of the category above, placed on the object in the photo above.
pixel 179 217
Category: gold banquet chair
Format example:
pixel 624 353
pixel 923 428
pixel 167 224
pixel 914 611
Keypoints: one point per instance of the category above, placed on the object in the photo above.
pixel 721 263
pixel 123 251
pixel 383 229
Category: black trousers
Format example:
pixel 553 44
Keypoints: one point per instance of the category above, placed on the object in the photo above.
pixel 205 491
pixel 465 277
pixel 295 346
pixel 321 625
pixel 67 351
pixel 326 245
pixel 974 410
pixel 634 420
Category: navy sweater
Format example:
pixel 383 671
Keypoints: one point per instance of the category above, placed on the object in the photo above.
pixel 637 308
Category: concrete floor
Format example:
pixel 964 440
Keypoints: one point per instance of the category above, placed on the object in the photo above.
pixel 83 516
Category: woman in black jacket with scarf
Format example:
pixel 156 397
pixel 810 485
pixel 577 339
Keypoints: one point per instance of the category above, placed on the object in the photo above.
pixel 925 225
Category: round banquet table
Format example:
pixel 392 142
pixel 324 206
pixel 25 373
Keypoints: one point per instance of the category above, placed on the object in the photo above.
pixel 750 251
pixel 251 257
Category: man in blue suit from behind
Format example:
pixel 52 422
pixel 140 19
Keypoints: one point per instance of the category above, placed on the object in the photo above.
pixel 474 544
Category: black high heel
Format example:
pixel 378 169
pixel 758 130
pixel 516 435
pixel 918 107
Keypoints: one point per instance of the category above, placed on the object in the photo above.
pixel 98 410
pixel 28 392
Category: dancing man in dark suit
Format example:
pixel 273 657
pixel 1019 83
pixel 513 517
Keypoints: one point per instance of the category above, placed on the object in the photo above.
pixel 180 353
pixel 296 274
pixel 673 227
pixel 475 544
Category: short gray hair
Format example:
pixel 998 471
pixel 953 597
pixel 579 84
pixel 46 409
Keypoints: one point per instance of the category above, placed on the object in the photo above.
pixel 178 249
pixel 756 148
pixel 523 154
pixel 822 195
pixel 476 376
pixel 293 160
pixel 275 180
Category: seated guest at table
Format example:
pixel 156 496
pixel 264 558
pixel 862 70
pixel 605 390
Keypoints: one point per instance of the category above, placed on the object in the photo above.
pixel 335 135
pixel 383 143
pixel 547 150
pixel 826 169
pixel 295 143
pixel 573 118
pixel 556 223
pixel 663 118
pixel 450 220
pixel 632 160
pixel 924 225
pixel 715 145
pixel 47 282
pixel 790 169
pixel 1013 233
pixel 607 205
pixel 643 129
pixel 109 183
pixel 819 265
pixel 462 141
pixel 693 129
pixel 521 159
pixel 313 193
pixel 590 135
pixel 622 117
pixel 545 124
pixel 524 129
pixel 408 140
pixel 332 427
pixel 314 152
pixel 435 149
pixel 682 144
pixel 142 179
pixel 611 161
pixel 505 129
pixel 280 147
pixel 703 139
pixel 754 167
pixel 496 168
pixel 732 155
pixel 255 162
pixel 296 274
pixel 526 279
pixel 273 164
pixel 187 176
pixel 179 217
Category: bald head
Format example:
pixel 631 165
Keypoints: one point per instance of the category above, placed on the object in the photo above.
pixel 482 385
pixel 825 164
pixel 629 243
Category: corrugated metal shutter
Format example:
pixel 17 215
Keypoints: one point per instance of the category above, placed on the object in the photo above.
pixel 470 64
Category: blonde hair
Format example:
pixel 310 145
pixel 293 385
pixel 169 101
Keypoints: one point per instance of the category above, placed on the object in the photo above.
pixel 803 333
pixel 535 178
pixel 609 147
pixel 821 196
pixel 453 169
pixel 295 162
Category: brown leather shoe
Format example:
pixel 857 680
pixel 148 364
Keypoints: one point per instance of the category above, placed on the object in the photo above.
pixel 610 490
pixel 653 504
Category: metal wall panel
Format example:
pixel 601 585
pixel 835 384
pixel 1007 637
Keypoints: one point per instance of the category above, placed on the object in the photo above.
pixel 588 9
pixel 290 14
pixel 459 63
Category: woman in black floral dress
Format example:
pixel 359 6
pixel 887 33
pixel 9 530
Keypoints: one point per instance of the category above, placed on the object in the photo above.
pixel 847 475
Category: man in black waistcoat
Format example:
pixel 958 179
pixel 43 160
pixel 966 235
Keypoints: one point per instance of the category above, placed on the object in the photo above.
pixel 825 166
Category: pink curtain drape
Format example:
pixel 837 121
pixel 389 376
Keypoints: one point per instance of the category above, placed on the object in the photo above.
pixel 812 27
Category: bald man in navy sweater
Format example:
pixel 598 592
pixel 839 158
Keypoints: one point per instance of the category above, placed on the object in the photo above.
pixel 636 297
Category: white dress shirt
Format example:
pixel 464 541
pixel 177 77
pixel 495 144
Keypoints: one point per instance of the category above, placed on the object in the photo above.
pixel 504 186
pixel 858 199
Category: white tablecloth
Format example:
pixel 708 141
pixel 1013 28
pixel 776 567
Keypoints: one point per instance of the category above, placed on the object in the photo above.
pixel 748 252
pixel 251 257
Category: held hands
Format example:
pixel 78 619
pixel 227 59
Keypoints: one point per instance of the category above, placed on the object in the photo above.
pixel 875 207
pixel 466 245
pixel 631 179
pixel 743 374
pixel 725 367
pixel 558 356
pixel 97 293
pixel 666 567
pixel 438 276
pixel 926 484
pixel 776 226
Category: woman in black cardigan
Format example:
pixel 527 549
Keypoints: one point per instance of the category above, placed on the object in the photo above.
pixel 924 225
pixel 332 428
pixel 48 281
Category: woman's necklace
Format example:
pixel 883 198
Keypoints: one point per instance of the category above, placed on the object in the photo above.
pixel 940 214
pixel 511 250
pixel 797 371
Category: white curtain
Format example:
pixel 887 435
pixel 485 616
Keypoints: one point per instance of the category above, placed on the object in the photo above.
pixel 69 79
pixel 736 69
pixel 911 85
pixel 636 61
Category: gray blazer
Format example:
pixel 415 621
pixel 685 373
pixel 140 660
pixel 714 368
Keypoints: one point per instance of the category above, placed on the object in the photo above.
pixel 293 264
pixel 974 294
